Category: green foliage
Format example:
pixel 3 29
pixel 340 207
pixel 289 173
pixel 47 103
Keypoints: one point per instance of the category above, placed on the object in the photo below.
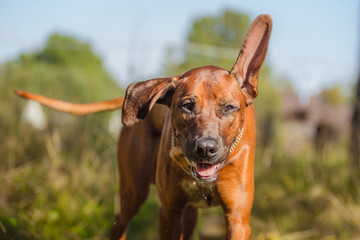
pixel 226 30
pixel 63 50
pixel 58 182
pixel 213 40
pixel 65 69
pixel 298 197
pixel 334 96
pixel 54 194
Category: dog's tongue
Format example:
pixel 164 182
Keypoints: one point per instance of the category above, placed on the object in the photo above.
pixel 205 169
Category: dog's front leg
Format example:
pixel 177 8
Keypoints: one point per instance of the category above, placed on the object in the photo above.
pixel 237 225
pixel 235 186
pixel 173 199
pixel 237 203
pixel 170 223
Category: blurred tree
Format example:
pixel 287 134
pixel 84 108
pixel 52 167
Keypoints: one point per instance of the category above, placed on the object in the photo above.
pixel 65 68
pixel 212 40
pixel 65 50
pixel 333 96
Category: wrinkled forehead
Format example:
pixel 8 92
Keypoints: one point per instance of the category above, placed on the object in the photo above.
pixel 210 82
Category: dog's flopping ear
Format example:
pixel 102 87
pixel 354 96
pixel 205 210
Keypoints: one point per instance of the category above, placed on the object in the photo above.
pixel 140 97
pixel 252 55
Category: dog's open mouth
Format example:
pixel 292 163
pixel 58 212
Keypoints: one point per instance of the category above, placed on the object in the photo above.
pixel 205 172
pixel 206 169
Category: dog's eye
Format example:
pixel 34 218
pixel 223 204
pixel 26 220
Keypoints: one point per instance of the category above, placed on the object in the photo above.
pixel 229 108
pixel 188 106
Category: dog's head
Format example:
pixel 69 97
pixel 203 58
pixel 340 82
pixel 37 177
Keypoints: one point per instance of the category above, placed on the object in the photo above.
pixel 207 104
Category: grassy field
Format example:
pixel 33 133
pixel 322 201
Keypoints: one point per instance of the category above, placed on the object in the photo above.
pixel 54 186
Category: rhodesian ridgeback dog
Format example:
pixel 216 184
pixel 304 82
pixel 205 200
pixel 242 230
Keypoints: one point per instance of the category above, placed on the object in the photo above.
pixel 193 136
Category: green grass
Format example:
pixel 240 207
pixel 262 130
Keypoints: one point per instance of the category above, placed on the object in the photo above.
pixel 60 183
pixel 50 191
pixel 300 197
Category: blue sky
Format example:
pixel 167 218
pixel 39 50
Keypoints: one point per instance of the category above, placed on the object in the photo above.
pixel 314 43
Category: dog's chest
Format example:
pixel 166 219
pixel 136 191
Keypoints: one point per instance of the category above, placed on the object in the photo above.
pixel 200 195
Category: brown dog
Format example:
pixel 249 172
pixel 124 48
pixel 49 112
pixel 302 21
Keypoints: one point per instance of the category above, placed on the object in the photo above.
pixel 198 151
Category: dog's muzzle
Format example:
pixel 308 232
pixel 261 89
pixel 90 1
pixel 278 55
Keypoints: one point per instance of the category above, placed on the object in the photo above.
pixel 206 172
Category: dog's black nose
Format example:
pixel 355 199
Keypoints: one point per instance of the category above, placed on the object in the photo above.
pixel 206 148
